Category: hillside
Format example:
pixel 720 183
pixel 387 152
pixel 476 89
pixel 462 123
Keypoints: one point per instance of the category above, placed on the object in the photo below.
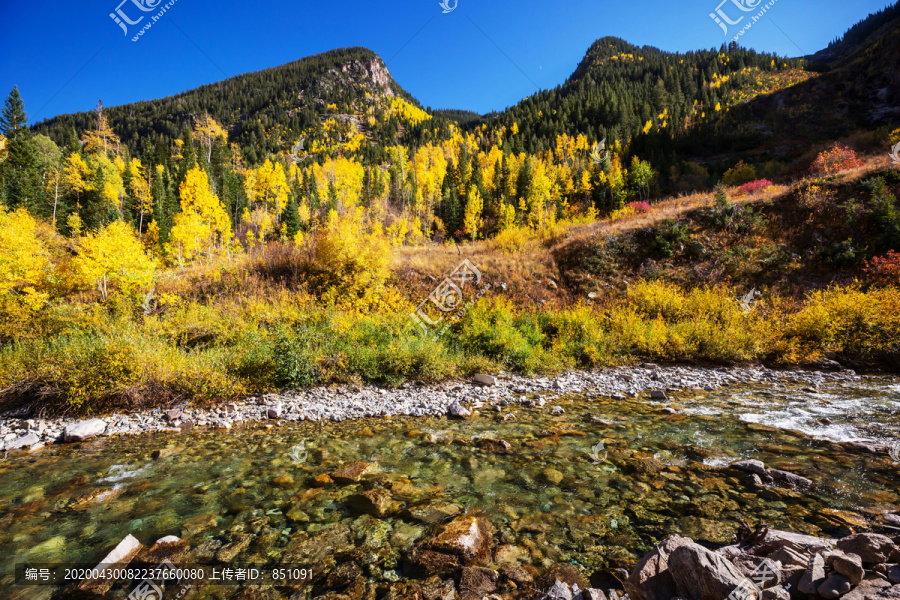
pixel 264 112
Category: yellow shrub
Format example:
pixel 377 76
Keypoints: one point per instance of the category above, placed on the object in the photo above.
pixel 621 214
pixel 513 240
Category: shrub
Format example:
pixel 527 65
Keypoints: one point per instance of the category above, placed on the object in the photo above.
pixel 348 262
pixel 512 240
pixel 640 207
pixel 885 269
pixel 622 213
pixel 755 186
pixel 740 174
pixel 834 160
pixel 669 238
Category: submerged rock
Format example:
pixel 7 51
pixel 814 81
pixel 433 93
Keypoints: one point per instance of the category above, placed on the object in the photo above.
pixel 352 472
pixel 464 541
pixel 119 557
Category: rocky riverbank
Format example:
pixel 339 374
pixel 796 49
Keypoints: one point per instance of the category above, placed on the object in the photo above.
pixel 24 432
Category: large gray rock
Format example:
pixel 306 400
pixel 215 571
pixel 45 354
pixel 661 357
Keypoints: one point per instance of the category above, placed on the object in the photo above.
pixel 591 594
pixel 872 548
pixel 482 379
pixel 870 588
pixel 26 441
pixel 700 574
pixel 84 430
pixel 790 479
pixel 756 467
pixel 834 587
pixel 651 579
pixel 559 591
pixel 804 544
pixel 848 565
pixel 457 411
pixel 814 576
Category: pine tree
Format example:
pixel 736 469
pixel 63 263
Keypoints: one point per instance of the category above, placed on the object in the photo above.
pixel 13 117
pixel 291 218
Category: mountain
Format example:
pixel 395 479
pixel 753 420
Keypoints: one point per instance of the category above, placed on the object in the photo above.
pixel 620 90
pixel 265 111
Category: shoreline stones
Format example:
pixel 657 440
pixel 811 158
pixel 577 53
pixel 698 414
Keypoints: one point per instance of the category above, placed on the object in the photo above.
pixel 338 403
pixel 783 565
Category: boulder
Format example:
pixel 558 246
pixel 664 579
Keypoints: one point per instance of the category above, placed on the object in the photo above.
pixel 591 594
pixel 658 395
pixel 558 591
pixel 456 411
pixel 26 441
pixel 482 379
pixel 789 479
pixel 848 565
pixel 84 430
pixel 273 411
pixel 872 548
pixel 651 578
pixel 870 588
pixel 814 576
pixel 700 574
pixel 756 467
pixel 173 414
pixel 776 539
pixel 834 587
pixel 464 541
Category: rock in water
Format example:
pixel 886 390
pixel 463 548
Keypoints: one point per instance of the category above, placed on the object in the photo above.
pixel 120 556
pixel 702 575
pixel 26 441
pixel 375 502
pixel 352 472
pixel 457 411
pixel 84 430
pixel 464 541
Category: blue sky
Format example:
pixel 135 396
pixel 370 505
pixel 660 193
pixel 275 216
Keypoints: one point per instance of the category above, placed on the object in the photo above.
pixel 482 56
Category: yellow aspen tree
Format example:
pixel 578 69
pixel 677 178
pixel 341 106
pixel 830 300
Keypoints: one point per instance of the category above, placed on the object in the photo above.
pixel 207 131
pixel 24 264
pixel 102 139
pixel 472 220
pixel 114 259
pixel 140 191
pixel 202 223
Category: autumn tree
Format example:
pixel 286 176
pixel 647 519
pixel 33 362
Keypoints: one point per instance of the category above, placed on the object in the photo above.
pixel 24 266
pixel 202 225
pixel 102 139
pixel 113 259
pixel 206 132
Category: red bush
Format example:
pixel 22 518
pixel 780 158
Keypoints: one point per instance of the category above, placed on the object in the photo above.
pixel 639 206
pixel 754 186
pixel 885 268
pixel 838 158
